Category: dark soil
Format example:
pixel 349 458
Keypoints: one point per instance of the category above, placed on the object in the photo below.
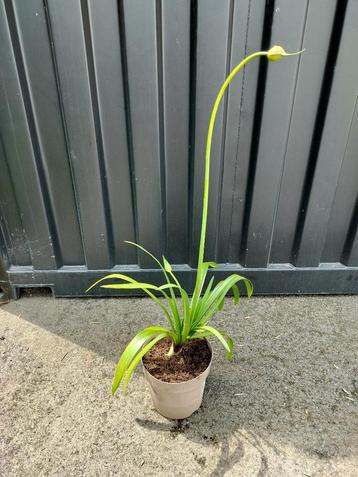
pixel 191 360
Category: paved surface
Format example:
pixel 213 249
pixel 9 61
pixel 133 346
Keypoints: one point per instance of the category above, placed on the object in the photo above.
pixel 287 405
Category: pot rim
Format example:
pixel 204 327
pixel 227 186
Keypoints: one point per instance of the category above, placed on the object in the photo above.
pixel 189 380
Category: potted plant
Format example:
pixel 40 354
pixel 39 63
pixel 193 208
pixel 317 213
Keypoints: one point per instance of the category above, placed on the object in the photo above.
pixel 176 359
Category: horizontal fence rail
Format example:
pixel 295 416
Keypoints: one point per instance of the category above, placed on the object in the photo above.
pixel 104 109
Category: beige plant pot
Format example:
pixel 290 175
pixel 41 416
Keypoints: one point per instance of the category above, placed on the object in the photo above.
pixel 177 400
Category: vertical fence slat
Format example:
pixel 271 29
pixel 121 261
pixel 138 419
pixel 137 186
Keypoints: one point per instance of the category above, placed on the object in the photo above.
pixel 10 219
pixel 212 43
pixel 109 78
pixel 320 18
pixel 280 97
pixel 176 66
pixel 353 255
pixel 140 21
pixel 246 38
pixel 343 207
pixel 333 144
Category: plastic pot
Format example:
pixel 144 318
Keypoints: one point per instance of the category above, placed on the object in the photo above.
pixel 177 400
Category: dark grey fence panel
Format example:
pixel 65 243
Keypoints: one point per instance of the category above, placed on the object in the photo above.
pixel 343 208
pixel 176 86
pixel 214 32
pixel 14 243
pixel 37 57
pixel 335 139
pixel 310 78
pixel 279 103
pixel 21 147
pixel 351 256
pixel 246 37
pixel 104 109
pixel 142 57
pixel 106 50
pixel 74 63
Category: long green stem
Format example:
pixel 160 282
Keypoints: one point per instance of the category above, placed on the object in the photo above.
pixel 207 155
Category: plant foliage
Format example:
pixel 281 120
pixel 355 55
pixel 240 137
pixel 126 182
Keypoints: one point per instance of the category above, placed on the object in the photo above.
pixel 187 318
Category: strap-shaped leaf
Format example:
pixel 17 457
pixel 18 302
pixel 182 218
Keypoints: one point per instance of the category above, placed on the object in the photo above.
pixel 120 276
pixel 176 316
pixel 201 276
pixel 199 334
pixel 236 292
pixel 167 266
pixel 202 300
pixel 184 324
pixel 220 292
pixel 136 360
pixel 145 251
pixel 211 264
pixel 227 343
pixel 221 304
pixel 146 289
pixel 138 286
pixel 132 349
pixel 172 301
pixel 187 315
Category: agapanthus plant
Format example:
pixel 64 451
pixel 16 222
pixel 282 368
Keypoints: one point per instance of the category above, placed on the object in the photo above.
pixel 187 318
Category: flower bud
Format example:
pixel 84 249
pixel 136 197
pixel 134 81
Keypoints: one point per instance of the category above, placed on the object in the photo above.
pixel 277 52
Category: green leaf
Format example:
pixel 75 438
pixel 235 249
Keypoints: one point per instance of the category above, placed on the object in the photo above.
pixel 230 355
pixel 175 325
pixel 211 264
pixel 202 307
pixel 208 288
pixel 202 300
pixel 175 313
pixel 167 266
pixel 132 349
pixel 227 343
pixel 201 275
pixel 235 289
pixel 249 287
pixel 138 285
pixel 171 301
pixel 221 304
pixel 131 286
pixel 145 251
pixel 112 275
pixel 136 360
pixel 187 315
pixel 218 335
pixel 199 334
pixel 213 302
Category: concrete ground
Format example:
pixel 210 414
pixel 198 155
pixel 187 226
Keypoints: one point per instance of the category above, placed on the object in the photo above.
pixel 287 405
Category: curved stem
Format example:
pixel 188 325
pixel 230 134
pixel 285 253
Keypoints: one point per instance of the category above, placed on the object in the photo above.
pixel 208 150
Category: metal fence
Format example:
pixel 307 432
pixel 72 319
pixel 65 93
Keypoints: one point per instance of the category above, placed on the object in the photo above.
pixel 104 110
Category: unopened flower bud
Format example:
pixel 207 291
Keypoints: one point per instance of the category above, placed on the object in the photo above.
pixel 277 52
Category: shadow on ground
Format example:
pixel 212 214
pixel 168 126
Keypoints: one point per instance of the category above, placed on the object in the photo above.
pixel 294 380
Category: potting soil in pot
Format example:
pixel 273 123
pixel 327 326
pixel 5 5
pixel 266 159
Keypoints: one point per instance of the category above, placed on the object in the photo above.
pixel 187 363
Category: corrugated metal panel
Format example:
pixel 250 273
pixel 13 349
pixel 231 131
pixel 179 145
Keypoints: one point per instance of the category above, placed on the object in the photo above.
pixel 104 110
